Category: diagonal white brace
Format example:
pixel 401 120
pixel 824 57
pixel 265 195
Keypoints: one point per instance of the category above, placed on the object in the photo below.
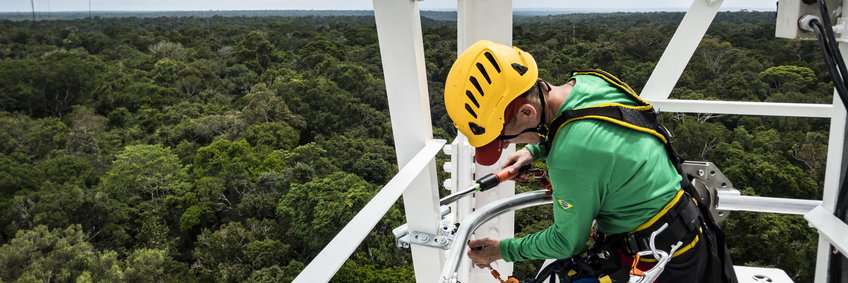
pixel 334 255
pixel 680 49
pixel 830 227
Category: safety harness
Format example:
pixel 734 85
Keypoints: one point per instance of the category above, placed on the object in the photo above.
pixel 686 216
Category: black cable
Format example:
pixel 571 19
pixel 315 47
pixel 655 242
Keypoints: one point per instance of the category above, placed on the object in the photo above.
pixel 838 83
pixel 831 39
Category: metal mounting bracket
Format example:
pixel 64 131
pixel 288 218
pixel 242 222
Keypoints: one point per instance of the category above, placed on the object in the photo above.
pixel 709 181
pixel 447 228
pixel 424 239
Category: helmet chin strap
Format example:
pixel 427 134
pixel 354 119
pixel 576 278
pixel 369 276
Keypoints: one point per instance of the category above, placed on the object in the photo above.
pixel 542 127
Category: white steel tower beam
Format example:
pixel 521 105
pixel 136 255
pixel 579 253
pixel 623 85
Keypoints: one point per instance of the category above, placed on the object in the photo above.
pixel 680 49
pixel 490 20
pixel 832 174
pixel 836 157
pixel 402 51
pixel 833 171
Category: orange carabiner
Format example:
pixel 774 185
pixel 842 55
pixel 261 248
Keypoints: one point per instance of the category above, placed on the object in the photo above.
pixel 508 280
pixel 633 269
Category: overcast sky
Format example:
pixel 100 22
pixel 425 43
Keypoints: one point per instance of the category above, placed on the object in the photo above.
pixel 171 5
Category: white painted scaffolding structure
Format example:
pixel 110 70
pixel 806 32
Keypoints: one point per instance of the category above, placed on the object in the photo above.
pixel 401 47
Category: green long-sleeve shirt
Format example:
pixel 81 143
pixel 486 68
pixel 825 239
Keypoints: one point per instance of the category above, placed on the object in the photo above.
pixel 598 170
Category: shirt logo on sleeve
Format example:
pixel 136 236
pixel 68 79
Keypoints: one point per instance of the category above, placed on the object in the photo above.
pixel 565 205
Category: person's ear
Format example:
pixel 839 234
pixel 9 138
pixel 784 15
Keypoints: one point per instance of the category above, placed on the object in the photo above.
pixel 527 111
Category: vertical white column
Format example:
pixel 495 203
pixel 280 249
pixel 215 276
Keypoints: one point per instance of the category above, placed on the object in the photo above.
pixel 462 177
pixel 402 52
pixel 680 49
pixel 490 20
pixel 832 174
pixel 835 166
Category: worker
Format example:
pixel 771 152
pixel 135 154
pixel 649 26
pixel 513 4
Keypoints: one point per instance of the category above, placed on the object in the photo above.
pixel 601 169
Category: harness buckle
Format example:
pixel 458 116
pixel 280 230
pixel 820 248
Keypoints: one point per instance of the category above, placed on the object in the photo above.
pixel 631 244
pixel 542 129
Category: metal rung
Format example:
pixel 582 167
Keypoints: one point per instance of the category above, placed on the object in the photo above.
pixel 734 202
pixel 745 108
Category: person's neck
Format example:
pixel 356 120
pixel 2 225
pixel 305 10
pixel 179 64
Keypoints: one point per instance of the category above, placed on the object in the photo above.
pixel 555 98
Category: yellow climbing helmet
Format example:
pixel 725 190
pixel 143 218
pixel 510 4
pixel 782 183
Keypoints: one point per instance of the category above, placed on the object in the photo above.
pixel 481 84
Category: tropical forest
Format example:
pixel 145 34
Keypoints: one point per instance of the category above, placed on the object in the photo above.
pixel 197 148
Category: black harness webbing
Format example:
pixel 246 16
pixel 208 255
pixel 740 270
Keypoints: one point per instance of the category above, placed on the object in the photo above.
pixel 644 118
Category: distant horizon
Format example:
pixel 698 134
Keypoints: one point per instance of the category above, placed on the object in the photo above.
pixel 45 6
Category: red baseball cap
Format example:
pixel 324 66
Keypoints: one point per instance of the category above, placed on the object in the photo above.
pixel 490 153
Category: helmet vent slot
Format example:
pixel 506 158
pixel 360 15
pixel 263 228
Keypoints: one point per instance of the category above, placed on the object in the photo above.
pixel 492 60
pixel 520 68
pixel 470 111
pixel 477 85
pixel 483 71
pixel 476 129
pixel 472 98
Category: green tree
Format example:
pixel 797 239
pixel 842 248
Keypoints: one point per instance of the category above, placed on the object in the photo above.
pixel 71 169
pixel 224 172
pixel 238 79
pixel 357 80
pixel 232 161
pixel 150 181
pixel 748 231
pixel 689 139
pixel 126 55
pixel 272 136
pixel 14 175
pixel 276 273
pixel 217 127
pixel 151 265
pixel 813 153
pixel 370 159
pixel 304 163
pixel 256 51
pixel 60 255
pixel 50 85
pixel 260 201
pixel 231 253
pixel 168 50
pixel 262 105
pixel 360 268
pixel 714 53
pixel 145 172
pixel 788 78
pixel 32 137
pixel 166 71
pixel 65 78
pixel 314 210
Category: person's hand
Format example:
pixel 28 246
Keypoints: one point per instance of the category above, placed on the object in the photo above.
pixel 517 160
pixel 484 251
